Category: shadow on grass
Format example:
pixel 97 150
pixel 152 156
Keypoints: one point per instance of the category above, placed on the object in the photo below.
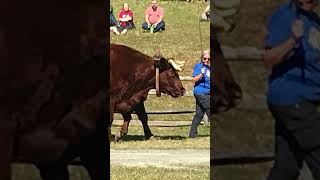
pixel 141 137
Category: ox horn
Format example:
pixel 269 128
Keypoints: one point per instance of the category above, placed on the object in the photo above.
pixel 180 62
pixel 178 65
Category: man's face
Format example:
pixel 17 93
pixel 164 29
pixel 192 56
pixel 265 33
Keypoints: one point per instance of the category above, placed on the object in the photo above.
pixel 154 5
pixel 126 7
pixel 307 5
pixel 206 59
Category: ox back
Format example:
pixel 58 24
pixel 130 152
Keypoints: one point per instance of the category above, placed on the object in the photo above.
pixel 53 73
pixel 129 69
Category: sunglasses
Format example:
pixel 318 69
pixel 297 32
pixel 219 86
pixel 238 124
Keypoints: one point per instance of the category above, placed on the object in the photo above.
pixel 206 59
pixel 301 3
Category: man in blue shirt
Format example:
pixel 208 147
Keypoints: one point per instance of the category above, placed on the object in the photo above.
pixel 201 91
pixel 293 62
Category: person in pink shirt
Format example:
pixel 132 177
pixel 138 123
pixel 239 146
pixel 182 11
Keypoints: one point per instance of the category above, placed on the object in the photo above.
pixel 125 19
pixel 154 17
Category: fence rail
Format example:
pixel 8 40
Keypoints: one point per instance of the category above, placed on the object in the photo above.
pixel 243 53
pixel 240 157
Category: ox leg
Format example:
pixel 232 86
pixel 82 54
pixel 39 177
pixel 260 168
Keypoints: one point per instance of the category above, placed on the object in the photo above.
pixel 111 137
pixel 143 117
pixel 124 129
pixel 57 172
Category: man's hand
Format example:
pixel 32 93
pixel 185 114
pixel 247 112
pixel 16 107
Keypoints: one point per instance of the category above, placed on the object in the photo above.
pixel 297 29
pixel 149 25
pixel 155 25
pixel 203 70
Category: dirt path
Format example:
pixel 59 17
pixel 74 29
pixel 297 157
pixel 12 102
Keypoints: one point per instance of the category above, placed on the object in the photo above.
pixel 161 158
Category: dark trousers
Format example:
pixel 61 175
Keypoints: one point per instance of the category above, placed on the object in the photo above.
pixel 161 25
pixel 297 130
pixel 202 106
pixel 129 25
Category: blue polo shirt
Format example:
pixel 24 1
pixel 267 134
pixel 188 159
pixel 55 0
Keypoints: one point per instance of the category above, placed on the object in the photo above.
pixel 203 85
pixel 297 78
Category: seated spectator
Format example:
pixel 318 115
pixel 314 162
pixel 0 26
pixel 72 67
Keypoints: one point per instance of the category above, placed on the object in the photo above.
pixel 113 21
pixel 125 20
pixel 154 18
pixel 206 14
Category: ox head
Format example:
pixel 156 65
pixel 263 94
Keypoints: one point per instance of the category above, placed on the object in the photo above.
pixel 167 77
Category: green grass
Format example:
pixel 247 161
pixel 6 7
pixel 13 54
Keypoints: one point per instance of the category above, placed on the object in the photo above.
pixel 241 172
pixel 166 138
pixel 156 173
pixel 180 40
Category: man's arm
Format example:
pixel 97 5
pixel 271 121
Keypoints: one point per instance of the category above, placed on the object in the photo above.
pixel 276 54
pixel 197 78
pixel 160 18
pixel 198 74
pixel 125 19
pixel 146 17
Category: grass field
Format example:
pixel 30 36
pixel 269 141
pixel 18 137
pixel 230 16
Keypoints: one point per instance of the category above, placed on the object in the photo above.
pixel 155 173
pixel 165 138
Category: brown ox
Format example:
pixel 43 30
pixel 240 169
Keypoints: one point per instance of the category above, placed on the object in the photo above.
pixel 53 72
pixel 226 92
pixel 133 74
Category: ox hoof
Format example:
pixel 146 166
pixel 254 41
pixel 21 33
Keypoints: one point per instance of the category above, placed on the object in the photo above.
pixel 120 137
pixel 112 137
pixel 117 138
